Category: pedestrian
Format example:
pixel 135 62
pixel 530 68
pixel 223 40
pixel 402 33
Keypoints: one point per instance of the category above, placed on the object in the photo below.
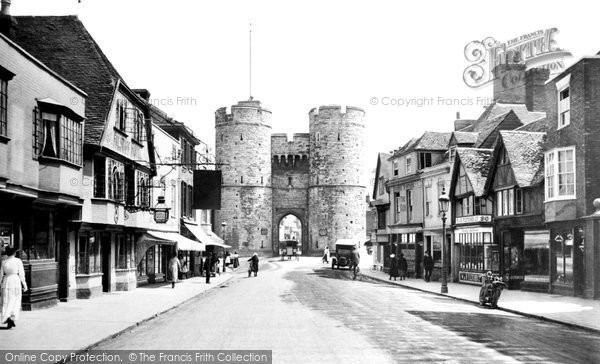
pixel 355 261
pixel 428 266
pixel 403 266
pixel 326 255
pixel 394 268
pixel 227 261
pixel 236 259
pixel 174 267
pixel 184 268
pixel 253 267
pixel 208 266
pixel 12 276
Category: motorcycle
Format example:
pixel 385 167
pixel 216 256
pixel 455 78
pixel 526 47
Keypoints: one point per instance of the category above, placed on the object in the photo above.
pixel 490 291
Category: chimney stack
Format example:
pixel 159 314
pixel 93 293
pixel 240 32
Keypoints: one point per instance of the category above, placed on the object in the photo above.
pixel 457 115
pixel 5 10
pixel 8 24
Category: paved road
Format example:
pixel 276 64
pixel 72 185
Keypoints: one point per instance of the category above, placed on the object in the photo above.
pixel 307 313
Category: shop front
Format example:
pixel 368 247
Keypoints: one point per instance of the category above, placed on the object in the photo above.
pixel 409 243
pixel 477 252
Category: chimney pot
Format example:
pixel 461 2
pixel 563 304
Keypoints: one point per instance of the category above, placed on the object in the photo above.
pixel 458 115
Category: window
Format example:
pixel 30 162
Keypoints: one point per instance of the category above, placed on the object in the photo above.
pixel 564 112
pixel 518 201
pixel 481 207
pixel 88 253
pixel 186 200
pixel 428 201
pixel 138 126
pixel 397 202
pixel 424 160
pixel 409 205
pixel 143 189
pixel 395 168
pixel 3 107
pixel 381 219
pixel 56 136
pixel 452 154
pixel 505 201
pixel 409 167
pixel 503 157
pixel 381 185
pixel 560 173
pixel 121 123
pixel 116 180
pixel 124 251
pixel 562 256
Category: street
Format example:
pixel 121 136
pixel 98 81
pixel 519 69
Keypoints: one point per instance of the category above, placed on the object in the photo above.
pixel 307 313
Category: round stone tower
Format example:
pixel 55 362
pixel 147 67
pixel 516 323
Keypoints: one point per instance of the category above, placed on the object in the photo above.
pixel 336 192
pixel 243 145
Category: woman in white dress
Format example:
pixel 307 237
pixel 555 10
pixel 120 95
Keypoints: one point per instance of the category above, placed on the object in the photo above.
pixel 174 267
pixel 12 276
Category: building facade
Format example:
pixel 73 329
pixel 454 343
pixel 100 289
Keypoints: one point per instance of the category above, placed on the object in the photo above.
pixel 41 195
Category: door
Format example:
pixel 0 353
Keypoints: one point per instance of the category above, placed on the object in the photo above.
pixel 62 256
pixel 106 269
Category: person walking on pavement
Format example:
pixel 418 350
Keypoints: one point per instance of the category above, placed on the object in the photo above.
pixel 403 267
pixel 394 268
pixel 174 267
pixel 326 255
pixel 13 284
pixel 236 261
pixel 184 268
pixel 428 266
pixel 253 267
pixel 208 262
pixel 355 261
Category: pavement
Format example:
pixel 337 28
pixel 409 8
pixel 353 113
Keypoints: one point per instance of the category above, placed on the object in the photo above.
pixel 573 311
pixel 77 325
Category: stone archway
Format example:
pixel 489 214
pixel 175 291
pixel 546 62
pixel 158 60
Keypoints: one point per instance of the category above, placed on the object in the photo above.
pixel 290 225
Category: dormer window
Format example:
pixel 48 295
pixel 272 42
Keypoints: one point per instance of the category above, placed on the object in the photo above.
pixel 564 102
pixel 424 160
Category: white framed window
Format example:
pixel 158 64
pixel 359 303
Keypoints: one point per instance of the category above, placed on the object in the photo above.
pixel 142 189
pixel 409 167
pixel 564 104
pixel 395 164
pixel 560 174
pixel 115 174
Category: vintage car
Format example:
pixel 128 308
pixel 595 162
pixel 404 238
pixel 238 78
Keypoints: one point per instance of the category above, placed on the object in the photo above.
pixel 342 255
pixel 289 248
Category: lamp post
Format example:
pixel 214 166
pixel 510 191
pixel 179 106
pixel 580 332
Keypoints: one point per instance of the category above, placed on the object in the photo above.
pixel 444 201
pixel 161 211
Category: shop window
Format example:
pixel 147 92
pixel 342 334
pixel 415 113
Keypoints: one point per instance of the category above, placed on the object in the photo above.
pixel 476 252
pixel 536 256
pixel 124 251
pixel 41 244
pixel 88 259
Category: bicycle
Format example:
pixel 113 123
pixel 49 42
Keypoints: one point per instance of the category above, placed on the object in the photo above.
pixel 375 268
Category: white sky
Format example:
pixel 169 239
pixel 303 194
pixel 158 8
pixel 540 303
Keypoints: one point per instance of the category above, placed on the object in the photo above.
pixel 311 53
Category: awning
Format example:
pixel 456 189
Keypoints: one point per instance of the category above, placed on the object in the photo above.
pixel 182 242
pixel 208 238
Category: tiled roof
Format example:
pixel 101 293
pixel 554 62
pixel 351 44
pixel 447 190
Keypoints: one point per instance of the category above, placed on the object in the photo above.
pixel 64 45
pixel 430 140
pixel 542 125
pixel 476 164
pixel 464 137
pixel 526 155
pixel 485 129
pixel 496 109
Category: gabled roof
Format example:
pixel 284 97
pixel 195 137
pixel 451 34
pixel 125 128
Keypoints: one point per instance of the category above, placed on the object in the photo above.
pixel 464 137
pixel 383 169
pixel 508 120
pixel 476 163
pixel 495 109
pixel 66 47
pixel 541 125
pixel 525 152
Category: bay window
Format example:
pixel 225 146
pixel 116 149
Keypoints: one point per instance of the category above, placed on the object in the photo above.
pixel 560 173
pixel 57 136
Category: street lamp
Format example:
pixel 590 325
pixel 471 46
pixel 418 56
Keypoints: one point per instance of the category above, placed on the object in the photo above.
pixel 161 211
pixel 444 201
